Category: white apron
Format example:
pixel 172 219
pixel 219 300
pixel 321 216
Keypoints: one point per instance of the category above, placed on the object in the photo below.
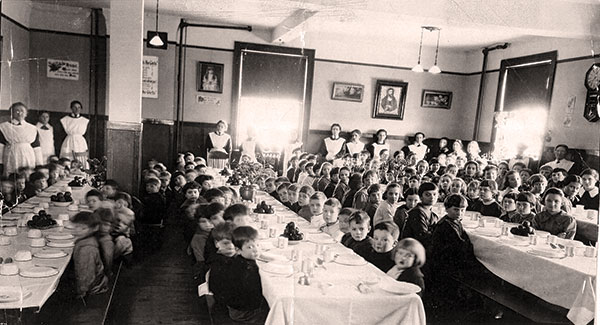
pixel 355 148
pixel 249 148
pixel 18 151
pixel 74 141
pixel 219 143
pixel 333 147
pixel 46 141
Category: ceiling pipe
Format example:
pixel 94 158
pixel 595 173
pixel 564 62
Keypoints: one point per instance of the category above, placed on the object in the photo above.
pixel 485 52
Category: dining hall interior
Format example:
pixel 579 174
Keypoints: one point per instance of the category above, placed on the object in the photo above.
pixel 272 162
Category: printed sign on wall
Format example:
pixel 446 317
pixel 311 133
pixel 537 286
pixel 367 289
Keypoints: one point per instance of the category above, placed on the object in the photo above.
pixel 150 77
pixel 63 69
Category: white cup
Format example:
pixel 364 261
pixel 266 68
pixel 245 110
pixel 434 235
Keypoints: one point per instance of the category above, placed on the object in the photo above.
pixel 4 240
pixel 328 255
pixel 59 222
pixel 590 251
pixel 282 242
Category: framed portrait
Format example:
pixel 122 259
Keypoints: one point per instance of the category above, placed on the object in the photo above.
pixel 390 98
pixel 436 99
pixel 209 77
pixel 348 92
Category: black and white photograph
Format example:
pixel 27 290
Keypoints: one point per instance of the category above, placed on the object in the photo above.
pixel 347 92
pixel 266 162
pixel 436 99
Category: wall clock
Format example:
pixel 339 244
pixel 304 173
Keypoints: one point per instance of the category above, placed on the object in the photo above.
pixel 591 111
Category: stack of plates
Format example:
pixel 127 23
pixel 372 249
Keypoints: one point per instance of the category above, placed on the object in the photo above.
pixel 60 236
pixel 61 243
pixel 322 239
pixel 50 253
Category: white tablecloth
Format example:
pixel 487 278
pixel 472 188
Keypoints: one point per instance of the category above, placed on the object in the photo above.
pixel 342 303
pixel 557 281
pixel 41 288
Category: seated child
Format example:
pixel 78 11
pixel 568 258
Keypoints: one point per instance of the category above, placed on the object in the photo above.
pixel 214 195
pixel 409 256
pixel 413 183
pixel 333 181
pixel 487 193
pixel 304 195
pixel 344 217
pixel 244 300
pixel 571 189
pixel 525 203
pixel 38 181
pixel 237 215
pixel 331 225
pixel 293 192
pixel 473 195
pixel 589 198
pixel 190 175
pixel 8 191
pixel 458 186
pixel 509 206
pixel 110 189
pixel 53 173
pixel 451 249
pixel 94 199
pixel 546 171
pixel 155 203
pixel 358 238
pixel 553 219
pixel 324 177
pixel 191 191
pixel 107 245
pixel 282 192
pixel 310 174
pixel 387 208
pixel 220 238
pixel 444 186
pixel 20 184
pixel 271 188
pixel 89 270
pixel 204 226
pixel 538 185
pixel 342 186
pixel 557 177
pixel 471 171
pixel 412 199
pixel 228 195
pixel 512 182
pixel 316 208
pixel 385 238
pixel 375 192
pixel 205 182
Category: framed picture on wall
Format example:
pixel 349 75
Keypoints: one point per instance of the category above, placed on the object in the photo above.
pixel 390 98
pixel 209 77
pixel 348 92
pixel 436 99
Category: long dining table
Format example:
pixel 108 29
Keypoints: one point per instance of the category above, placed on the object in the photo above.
pixel 36 290
pixel 333 296
pixel 542 269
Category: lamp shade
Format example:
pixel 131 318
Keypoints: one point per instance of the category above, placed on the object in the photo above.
pixel 435 69
pixel 157 40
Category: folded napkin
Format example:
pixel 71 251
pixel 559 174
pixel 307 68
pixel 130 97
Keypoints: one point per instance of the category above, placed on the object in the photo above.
pixel 582 311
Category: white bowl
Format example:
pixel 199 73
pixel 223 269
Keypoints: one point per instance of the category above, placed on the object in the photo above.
pixel 9 269
pixel 38 242
pixel 23 255
pixel 34 233
pixel 10 231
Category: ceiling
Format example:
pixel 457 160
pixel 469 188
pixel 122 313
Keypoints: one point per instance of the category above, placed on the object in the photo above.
pixel 465 24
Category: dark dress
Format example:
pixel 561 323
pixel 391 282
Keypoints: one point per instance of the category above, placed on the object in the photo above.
pixel 419 225
pixel 589 202
pixel 413 275
pixel 382 261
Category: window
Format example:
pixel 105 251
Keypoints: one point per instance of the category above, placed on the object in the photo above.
pixel 522 104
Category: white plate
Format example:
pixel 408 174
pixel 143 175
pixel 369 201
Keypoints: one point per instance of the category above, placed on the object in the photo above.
pixel 59 236
pixel 27 205
pixel 20 210
pixel 50 253
pixel 488 232
pixel 8 223
pixel 12 294
pixel 270 257
pixel 277 268
pixel 38 272
pixel 45 194
pixel 10 216
pixel 514 242
pixel 322 239
pixel 61 204
pixel 547 252
pixel 350 259
pixel 61 244
pixel 51 189
pixel 399 287
pixel 68 224
pixel 34 200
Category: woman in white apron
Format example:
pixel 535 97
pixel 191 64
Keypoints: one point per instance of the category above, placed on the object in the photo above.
pixel 380 144
pixel 250 147
pixel 333 146
pixel 46 132
pixel 218 145
pixel 354 146
pixel 19 141
pixel 75 146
